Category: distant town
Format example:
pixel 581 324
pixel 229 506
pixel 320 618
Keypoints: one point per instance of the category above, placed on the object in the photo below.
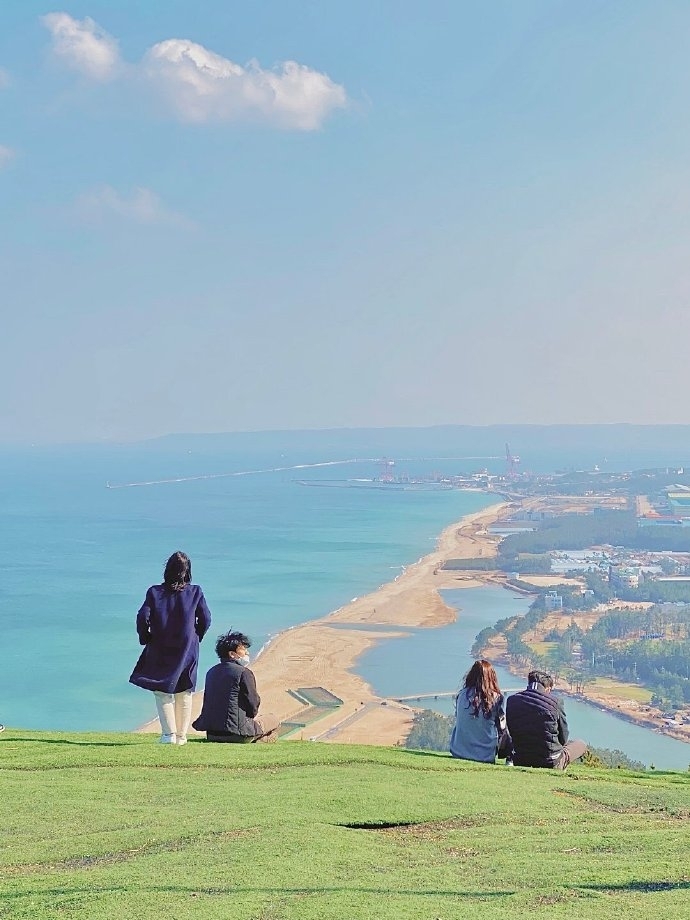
pixel 607 558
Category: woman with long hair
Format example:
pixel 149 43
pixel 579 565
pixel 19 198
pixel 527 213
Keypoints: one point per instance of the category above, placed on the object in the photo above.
pixel 171 622
pixel 480 717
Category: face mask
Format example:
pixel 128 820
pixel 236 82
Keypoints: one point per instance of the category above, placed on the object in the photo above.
pixel 244 660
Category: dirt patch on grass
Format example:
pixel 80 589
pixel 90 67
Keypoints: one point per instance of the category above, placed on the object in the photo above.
pixel 420 829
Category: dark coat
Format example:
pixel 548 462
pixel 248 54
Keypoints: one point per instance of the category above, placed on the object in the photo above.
pixel 170 625
pixel 230 701
pixel 538 727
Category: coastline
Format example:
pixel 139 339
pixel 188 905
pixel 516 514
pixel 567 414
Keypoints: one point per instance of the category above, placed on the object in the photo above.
pixel 323 652
pixel 629 710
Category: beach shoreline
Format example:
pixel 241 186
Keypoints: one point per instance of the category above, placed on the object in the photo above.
pixel 324 652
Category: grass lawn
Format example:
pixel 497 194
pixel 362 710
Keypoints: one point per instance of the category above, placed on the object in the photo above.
pixel 622 690
pixel 116 826
pixel 541 648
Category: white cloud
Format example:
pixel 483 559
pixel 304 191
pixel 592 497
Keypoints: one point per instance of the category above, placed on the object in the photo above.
pixel 83 45
pixel 143 207
pixel 203 86
pixel 4 78
pixel 198 85
pixel 6 156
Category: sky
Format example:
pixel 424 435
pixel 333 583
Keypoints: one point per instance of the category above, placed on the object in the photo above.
pixel 221 216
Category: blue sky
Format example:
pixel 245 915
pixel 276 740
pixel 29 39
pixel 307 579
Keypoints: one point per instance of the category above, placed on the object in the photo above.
pixel 219 216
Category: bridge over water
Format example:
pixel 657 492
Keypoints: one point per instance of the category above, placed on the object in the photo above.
pixel 440 694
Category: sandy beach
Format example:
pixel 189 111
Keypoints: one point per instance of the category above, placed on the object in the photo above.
pixel 323 652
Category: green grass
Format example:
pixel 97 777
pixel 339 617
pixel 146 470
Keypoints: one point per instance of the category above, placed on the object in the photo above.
pixel 622 690
pixel 542 648
pixel 116 826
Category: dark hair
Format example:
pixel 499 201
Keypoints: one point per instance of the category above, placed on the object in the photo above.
pixel 178 572
pixel 540 677
pixel 229 641
pixel 482 682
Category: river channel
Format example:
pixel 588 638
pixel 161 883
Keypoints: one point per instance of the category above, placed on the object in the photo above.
pixel 436 660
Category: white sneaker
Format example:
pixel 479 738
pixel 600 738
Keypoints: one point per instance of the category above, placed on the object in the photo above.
pixel 181 740
pixel 166 739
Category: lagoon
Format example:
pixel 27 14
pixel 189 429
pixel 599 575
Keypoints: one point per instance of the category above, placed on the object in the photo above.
pixel 436 660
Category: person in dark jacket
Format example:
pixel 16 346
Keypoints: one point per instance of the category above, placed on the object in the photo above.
pixel 538 726
pixel 230 711
pixel 171 622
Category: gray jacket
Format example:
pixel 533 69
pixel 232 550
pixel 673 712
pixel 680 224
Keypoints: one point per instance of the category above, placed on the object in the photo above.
pixel 475 737
pixel 230 701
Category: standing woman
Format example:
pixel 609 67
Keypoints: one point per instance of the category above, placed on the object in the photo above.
pixel 171 622
pixel 480 717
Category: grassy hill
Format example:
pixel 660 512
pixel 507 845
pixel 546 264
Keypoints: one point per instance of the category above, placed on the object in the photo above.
pixel 116 826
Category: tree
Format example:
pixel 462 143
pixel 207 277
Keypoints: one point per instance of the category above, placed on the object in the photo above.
pixel 430 731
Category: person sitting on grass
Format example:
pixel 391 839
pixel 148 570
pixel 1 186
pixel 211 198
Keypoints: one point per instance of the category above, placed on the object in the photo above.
pixel 480 731
pixel 537 724
pixel 230 711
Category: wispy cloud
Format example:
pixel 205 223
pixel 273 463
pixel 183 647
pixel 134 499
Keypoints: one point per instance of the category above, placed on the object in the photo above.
pixel 197 85
pixel 4 78
pixel 6 156
pixel 142 206
pixel 83 45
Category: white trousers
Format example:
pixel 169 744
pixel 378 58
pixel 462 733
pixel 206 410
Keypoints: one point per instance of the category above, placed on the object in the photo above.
pixel 174 713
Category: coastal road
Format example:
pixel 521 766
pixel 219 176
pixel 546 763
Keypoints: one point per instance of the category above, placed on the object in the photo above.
pixel 375 722
pixel 334 730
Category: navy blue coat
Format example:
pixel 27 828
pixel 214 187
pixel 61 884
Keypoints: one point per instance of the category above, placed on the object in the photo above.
pixel 170 625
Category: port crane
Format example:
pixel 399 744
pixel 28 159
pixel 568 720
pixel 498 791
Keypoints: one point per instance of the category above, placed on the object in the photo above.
pixel 512 463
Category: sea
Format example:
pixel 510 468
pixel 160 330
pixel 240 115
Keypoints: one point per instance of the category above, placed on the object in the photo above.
pixel 281 528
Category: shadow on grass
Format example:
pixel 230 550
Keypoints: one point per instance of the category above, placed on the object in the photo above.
pixel 248 889
pixel 649 887
pixel 77 743
pixel 77 863
pixel 442 755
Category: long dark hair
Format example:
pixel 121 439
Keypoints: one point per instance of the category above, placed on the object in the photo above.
pixel 481 683
pixel 178 572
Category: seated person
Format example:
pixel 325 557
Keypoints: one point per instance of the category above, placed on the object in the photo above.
pixel 230 711
pixel 480 732
pixel 539 729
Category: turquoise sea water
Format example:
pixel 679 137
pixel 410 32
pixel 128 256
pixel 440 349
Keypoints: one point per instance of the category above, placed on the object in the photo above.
pixel 268 552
